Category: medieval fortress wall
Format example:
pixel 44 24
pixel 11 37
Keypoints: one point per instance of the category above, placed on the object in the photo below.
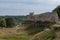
pixel 48 16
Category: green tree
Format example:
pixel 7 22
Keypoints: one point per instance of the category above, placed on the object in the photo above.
pixel 10 22
pixel 2 22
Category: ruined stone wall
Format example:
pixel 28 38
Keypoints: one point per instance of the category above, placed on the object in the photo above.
pixel 48 16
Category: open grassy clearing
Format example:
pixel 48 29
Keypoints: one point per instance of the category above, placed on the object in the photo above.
pixel 21 36
pixel 13 34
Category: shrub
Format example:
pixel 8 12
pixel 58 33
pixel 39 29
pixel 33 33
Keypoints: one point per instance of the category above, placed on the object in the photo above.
pixel 33 27
pixel 44 35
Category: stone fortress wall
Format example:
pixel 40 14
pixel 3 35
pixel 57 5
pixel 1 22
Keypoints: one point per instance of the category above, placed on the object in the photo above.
pixel 48 16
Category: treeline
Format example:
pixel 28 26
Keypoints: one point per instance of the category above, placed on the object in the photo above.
pixel 7 22
pixel 17 19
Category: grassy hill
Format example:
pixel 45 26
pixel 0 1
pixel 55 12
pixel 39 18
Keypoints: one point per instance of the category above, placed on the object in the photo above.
pixel 57 10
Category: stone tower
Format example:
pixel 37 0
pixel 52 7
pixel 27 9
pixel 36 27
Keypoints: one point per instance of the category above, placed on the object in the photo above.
pixel 31 16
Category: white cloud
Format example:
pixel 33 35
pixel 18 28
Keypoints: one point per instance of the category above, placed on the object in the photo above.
pixel 53 2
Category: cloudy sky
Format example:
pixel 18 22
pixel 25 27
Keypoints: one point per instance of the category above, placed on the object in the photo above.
pixel 23 7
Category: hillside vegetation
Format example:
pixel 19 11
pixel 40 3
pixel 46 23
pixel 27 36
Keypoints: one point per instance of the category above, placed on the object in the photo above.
pixel 33 27
pixel 7 22
pixel 57 10
pixel 19 28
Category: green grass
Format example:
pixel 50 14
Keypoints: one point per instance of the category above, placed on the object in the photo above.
pixel 23 36
pixel 17 37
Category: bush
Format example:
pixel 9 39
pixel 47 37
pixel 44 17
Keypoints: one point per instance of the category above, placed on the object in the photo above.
pixel 33 27
pixel 44 35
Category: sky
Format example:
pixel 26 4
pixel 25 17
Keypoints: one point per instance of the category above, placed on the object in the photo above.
pixel 23 7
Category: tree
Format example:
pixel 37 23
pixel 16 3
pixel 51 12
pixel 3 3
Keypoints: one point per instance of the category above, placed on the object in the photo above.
pixel 10 22
pixel 2 22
